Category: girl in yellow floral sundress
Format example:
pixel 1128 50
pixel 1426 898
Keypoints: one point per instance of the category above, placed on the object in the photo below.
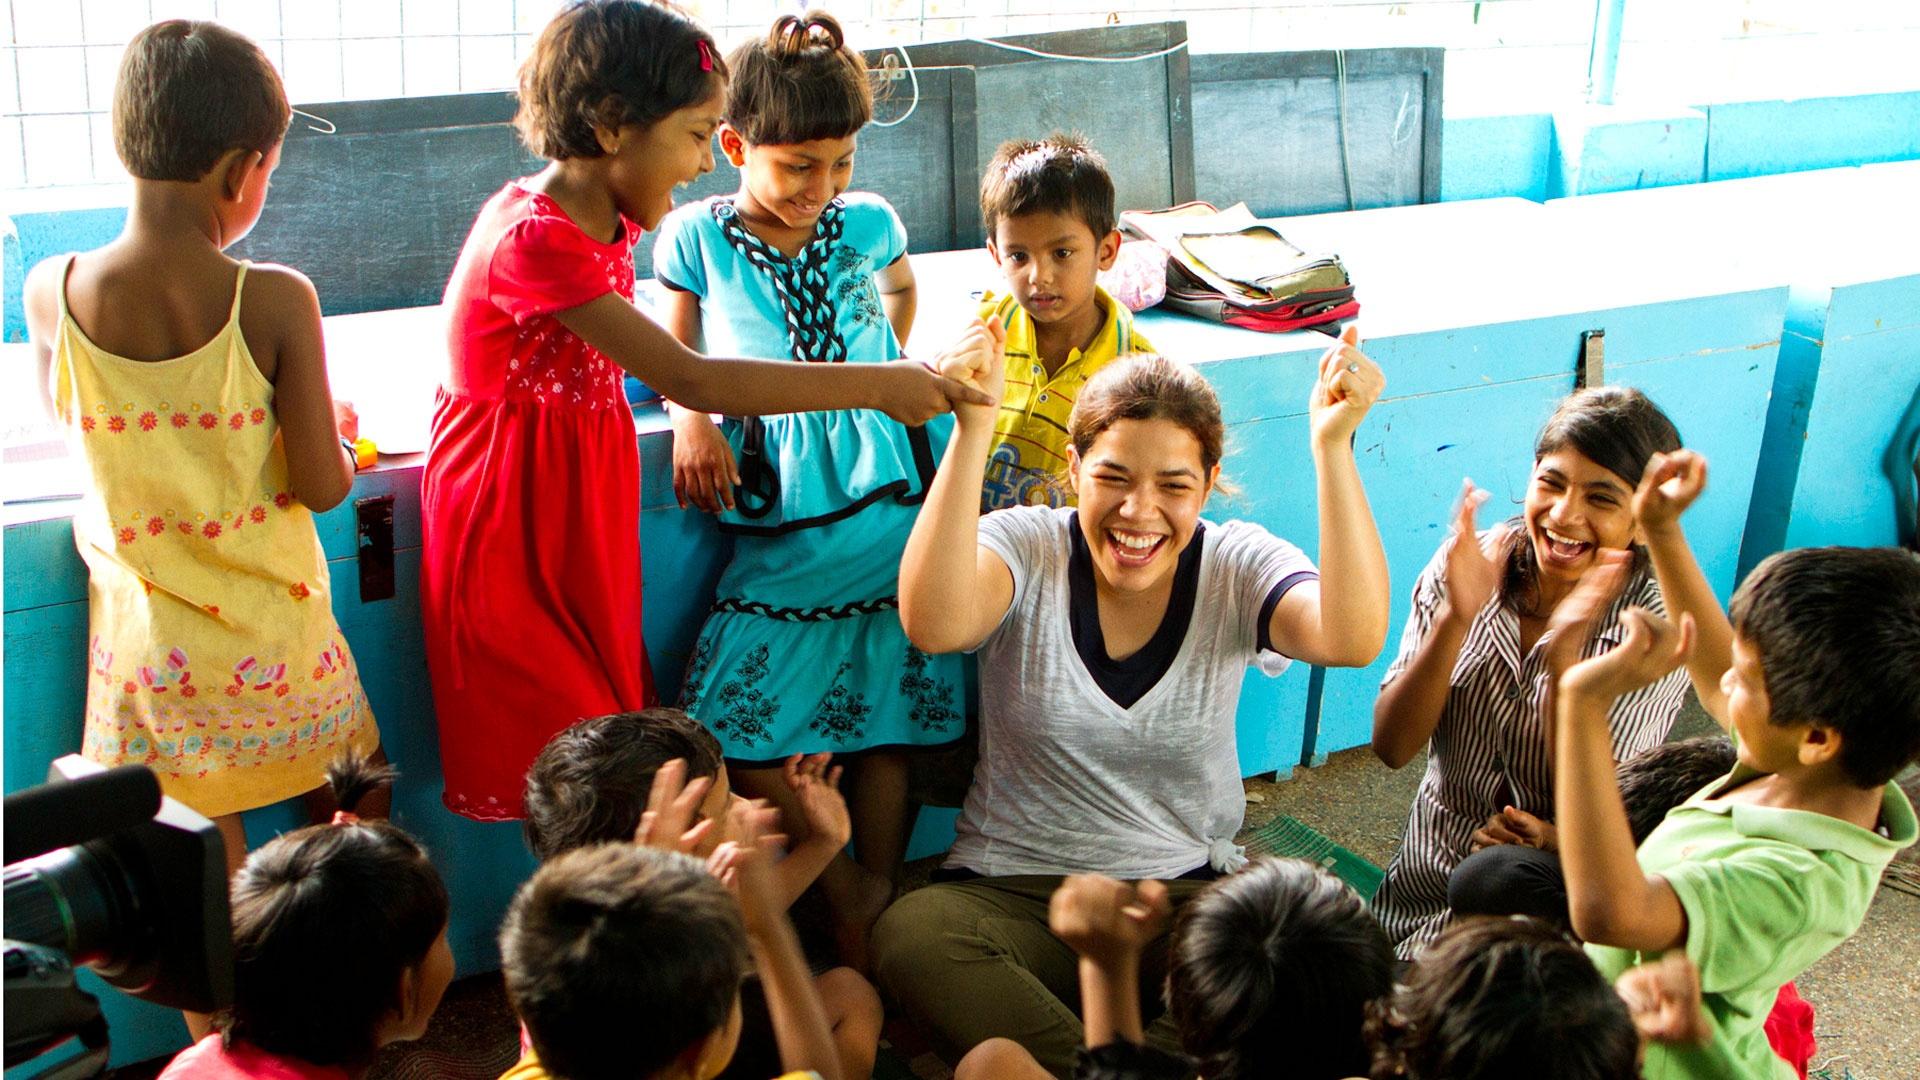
pixel 195 393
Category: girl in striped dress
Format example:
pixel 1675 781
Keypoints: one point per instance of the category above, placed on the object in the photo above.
pixel 1475 665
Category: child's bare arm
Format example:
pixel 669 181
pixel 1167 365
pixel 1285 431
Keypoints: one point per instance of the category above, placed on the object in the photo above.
pixel 40 299
pixel 1611 900
pixel 319 469
pixel 1409 708
pixel 1670 485
pixel 1108 923
pixel 953 592
pixel 905 390
pixel 899 296
pixel 800 1026
pixel 816 786
pixel 1341 621
pixel 704 471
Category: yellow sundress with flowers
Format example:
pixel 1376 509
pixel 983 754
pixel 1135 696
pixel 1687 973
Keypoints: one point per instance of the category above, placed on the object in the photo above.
pixel 215 659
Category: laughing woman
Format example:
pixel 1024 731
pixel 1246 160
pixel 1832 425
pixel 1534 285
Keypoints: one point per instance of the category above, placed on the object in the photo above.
pixel 1475 662
pixel 1112 641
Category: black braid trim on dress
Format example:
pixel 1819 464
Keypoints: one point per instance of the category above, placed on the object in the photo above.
pixel 814 614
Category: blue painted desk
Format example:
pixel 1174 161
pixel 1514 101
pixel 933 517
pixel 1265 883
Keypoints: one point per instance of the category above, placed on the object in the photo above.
pixel 1841 431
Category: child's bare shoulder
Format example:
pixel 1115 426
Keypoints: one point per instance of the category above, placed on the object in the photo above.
pixel 40 294
pixel 279 316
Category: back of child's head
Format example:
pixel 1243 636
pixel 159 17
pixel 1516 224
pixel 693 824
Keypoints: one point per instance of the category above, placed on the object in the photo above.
pixel 1146 386
pixel 609 64
pixel 326 920
pixel 799 83
pixel 187 93
pixel 1660 778
pixel 1271 971
pixel 1060 174
pixel 1836 632
pixel 1617 428
pixel 1504 999
pixel 590 783
pixel 618 958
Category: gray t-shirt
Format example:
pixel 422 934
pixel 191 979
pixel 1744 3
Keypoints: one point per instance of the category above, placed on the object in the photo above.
pixel 1070 782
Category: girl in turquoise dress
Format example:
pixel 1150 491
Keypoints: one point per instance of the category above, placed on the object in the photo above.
pixel 803 652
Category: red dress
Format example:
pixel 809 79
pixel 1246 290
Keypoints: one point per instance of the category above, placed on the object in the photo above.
pixel 530 573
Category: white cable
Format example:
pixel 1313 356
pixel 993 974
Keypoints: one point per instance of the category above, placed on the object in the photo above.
pixel 1346 158
pixel 907 59
pixel 912 104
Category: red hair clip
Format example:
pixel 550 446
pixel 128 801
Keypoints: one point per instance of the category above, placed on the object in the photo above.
pixel 706 55
pixel 345 817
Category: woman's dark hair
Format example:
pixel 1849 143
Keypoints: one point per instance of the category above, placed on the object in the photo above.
pixel 590 783
pixel 1504 999
pixel 1658 779
pixel 187 93
pixel 1617 428
pixel 799 83
pixel 325 921
pixel 1149 387
pixel 611 63
pixel 1270 973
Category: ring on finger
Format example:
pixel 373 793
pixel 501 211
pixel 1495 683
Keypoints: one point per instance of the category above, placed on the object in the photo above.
pixel 1353 366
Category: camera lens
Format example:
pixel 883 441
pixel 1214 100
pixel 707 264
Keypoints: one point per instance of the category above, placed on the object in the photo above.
pixel 80 900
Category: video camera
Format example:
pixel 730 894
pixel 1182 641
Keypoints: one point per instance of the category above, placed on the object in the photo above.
pixel 104 872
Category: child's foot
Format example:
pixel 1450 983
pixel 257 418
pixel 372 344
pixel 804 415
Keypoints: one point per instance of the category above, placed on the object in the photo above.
pixel 853 921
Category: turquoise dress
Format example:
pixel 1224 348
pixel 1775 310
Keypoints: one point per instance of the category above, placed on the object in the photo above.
pixel 803 651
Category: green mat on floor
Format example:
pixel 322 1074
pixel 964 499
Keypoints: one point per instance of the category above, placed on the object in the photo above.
pixel 1288 838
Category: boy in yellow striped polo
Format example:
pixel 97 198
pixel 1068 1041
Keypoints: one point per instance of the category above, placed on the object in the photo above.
pixel 1048 211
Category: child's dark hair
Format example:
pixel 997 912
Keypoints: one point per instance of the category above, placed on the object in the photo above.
pixel 1059 174
pixel 1146 386
pixel 1836 631
pixel 1660 778
pixel 610 63
pixel 1617 428
pixel 187 93
pixel 618 958
pixel 590 783
pixel 1499 998
pixel 325 921
pixel 799 83
pixel 1270 973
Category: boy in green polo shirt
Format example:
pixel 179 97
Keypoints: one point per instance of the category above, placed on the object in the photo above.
pixel 1763 872
pixel 1048 211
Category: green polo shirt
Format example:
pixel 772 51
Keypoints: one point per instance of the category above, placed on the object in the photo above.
pixel 1767 892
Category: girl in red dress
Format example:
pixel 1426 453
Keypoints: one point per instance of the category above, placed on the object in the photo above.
pixel 530 572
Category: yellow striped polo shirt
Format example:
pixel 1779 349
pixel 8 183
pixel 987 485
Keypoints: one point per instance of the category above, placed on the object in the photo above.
pixel 1029 459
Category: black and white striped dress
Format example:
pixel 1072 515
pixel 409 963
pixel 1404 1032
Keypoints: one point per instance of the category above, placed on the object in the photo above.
pixel 1490 747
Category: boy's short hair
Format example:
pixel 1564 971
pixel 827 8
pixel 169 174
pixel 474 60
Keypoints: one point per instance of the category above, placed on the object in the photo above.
pixel 1662 777
pixel 611 63
pixel 1060 174
pixel 617 958
pixel 590 783
pixel 1270 973
pixel 1837 634
pixel 1502 997
pixel 188 92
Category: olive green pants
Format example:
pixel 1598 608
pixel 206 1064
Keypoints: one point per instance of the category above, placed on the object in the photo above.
pixel 972 960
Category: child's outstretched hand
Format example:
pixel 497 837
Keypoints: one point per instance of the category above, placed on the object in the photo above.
pixel 1347 386
pixel 1663 997
pixel 1578 616
pixel 1106 920
pixel 667 823
pixel 1669 485
pixel 910 399
pixel 1472 577
pixel 745 866
pixel 1653 647
pixel 815 782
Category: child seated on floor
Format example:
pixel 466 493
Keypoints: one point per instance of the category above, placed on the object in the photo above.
pixel 339 947
pixel 1759 875
pixel 624 961
pixel 1270 974
pixel 1048 211
pixel 595 780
